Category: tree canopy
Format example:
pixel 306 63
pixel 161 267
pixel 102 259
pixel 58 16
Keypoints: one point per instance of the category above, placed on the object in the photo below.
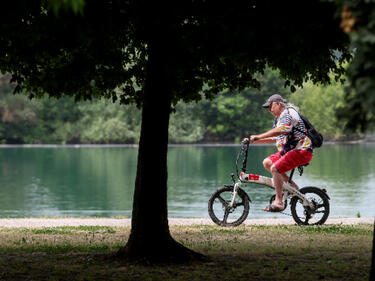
pixel 107 45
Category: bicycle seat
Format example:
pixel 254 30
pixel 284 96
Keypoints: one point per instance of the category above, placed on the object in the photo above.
pixel 300 168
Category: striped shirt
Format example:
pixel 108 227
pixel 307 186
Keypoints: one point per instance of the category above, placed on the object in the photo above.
pixel 291 139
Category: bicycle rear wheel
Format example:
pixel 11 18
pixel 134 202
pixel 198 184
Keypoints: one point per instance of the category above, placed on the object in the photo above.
pixel 304 215
pixel 221 213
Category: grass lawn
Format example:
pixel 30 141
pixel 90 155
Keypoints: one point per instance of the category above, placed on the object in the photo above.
pixel 331 252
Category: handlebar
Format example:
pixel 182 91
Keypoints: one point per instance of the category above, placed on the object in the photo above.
pixel 244 150
pixel 245 147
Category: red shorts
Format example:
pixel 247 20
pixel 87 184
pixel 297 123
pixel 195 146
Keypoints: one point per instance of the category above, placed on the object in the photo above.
pixel 290 160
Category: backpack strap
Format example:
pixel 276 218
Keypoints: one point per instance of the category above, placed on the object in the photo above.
pixel 274 122
pixel 294 127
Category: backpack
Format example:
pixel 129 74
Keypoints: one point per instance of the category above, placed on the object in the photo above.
pixel 315 137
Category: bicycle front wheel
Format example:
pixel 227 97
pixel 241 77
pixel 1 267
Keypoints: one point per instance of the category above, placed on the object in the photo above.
pixel 305 215
pixel 220 211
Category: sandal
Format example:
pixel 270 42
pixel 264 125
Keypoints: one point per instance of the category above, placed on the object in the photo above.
pixel 273 208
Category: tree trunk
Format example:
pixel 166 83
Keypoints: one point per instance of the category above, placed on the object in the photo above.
pixel 150 238
pixel 372 271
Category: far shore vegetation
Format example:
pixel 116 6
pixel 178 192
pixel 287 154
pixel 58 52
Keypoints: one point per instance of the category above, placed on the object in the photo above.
pixel 328 252
pixel 226 119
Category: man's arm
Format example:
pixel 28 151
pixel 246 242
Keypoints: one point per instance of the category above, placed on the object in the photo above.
pixel 266 137
pixel 266 140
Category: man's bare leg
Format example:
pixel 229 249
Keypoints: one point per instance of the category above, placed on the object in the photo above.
pixel 267 163
pixel 278 184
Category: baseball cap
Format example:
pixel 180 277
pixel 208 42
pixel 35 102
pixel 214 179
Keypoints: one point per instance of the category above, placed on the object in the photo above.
pixel 273 98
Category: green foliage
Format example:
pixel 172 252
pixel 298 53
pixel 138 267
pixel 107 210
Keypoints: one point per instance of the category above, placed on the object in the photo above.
pixel 228 118
pixel 75 5
pixel 57 117
pixel 62 121
pixel 234 115
pixel 19 117
pixel 359 109
pixel 185 125
pixel 107 122
pixel 320 104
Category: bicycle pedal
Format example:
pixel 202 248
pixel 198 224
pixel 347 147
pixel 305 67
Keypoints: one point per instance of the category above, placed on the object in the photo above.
pixel 287 194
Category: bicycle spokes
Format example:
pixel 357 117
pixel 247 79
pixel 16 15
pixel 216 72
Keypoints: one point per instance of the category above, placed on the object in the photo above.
pixel 221 210
pixel 317 213
pixel 225 203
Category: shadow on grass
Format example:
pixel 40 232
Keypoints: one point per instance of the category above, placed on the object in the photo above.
pixel 242 253
pixel 272 265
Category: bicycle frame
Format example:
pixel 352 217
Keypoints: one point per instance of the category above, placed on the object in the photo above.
pixel 243 177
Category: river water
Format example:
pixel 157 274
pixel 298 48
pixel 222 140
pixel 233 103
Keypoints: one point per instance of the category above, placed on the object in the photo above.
pixel 98 181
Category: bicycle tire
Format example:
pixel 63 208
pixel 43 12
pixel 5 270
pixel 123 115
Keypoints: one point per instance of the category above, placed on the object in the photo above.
pixel 304 215
pixel 218 203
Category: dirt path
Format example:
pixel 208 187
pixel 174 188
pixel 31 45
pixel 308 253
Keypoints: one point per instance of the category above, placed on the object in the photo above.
pixel 51 222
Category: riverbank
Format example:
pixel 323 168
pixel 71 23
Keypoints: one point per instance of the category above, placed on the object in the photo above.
pixel 118 222
pixel 208 144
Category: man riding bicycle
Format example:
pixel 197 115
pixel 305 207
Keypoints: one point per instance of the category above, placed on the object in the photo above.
pixel 294 147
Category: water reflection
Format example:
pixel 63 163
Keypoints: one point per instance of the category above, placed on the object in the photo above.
pixel 99 181
pixel 67 181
